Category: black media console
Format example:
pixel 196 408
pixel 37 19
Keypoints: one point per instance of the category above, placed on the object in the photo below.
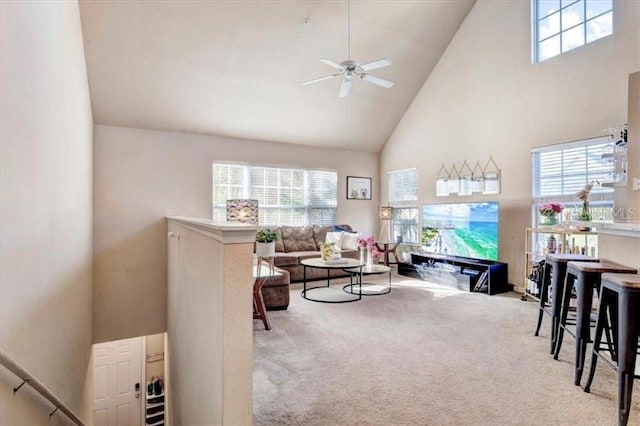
pixel 485 276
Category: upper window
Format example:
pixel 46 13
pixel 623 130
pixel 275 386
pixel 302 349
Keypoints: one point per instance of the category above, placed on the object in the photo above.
pixel 403 197
pixel 562 25
pixel 285 196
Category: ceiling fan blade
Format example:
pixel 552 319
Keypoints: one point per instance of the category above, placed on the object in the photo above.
pixel 377 80
pixel 344 88
pixel 374 65
pixel 332 64
pixel 327 77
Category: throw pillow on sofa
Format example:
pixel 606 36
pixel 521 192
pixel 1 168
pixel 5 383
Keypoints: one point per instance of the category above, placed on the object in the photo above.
pixel 350 240
pixel 335 238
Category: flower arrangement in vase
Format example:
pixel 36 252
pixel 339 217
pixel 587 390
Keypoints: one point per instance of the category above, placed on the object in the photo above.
pixel 368 247
pixel 549 213
pixel 583 195
pixel 327 251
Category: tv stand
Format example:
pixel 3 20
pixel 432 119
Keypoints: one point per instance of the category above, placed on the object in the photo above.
pixel 484 276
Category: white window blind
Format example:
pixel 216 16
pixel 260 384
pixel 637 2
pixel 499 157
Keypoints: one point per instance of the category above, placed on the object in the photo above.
pixel 323 197
pixel 285 196
pixel 403 187
pixel 560 171
pixel 403 197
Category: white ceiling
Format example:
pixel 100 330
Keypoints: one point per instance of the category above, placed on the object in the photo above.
pixel 234 67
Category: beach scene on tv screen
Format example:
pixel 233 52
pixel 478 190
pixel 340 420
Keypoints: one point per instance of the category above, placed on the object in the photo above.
pixel 461 229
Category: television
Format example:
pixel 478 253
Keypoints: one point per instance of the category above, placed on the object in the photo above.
pixel 461 229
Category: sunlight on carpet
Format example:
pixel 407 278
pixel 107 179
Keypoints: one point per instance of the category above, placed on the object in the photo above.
pixel 439 291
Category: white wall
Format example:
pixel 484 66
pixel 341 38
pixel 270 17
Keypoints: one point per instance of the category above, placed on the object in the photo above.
pixel 486 98
pixel 141 176
pixel 46 211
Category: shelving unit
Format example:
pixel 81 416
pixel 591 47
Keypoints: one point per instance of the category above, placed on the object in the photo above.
pixel 154 410
pixel 567 241
pixel 618 159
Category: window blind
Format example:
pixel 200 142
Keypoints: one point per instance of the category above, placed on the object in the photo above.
pixel 559 171
pixel 403 197
pixel 403 187
pixel 285 196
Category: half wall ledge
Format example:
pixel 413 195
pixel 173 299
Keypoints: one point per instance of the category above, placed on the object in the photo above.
pixel 223 232
pixel 209 321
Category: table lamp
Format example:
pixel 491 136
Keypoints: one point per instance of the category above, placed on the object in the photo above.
pixel 385 214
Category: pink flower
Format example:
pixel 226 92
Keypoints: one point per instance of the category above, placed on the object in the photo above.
pixel 369 243
pixel 550 209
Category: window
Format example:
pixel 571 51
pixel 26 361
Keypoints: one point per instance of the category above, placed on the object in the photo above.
pixel 562 25
pixel 285 196
pixel 560 171
pixel 403 197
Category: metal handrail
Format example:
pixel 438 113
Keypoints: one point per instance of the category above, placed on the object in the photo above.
pixel 36 384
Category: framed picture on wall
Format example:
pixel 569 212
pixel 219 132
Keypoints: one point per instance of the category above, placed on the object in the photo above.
pixel 358 188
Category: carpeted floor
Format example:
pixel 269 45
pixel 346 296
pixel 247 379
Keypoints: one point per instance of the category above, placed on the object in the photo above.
pixel 422 355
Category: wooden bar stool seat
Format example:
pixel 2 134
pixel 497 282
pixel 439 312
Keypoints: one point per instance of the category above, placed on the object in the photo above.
pixel 620 302
pixel 555 269
pixel 585 276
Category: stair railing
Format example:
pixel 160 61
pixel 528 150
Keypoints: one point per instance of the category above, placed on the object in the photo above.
pixel 36 384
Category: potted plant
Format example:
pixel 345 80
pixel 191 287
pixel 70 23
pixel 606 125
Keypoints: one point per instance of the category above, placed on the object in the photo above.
pixel 265 243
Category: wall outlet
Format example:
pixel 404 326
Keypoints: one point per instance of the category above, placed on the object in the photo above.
pixel 636 184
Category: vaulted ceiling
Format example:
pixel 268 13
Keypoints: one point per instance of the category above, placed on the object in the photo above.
pixel 235 68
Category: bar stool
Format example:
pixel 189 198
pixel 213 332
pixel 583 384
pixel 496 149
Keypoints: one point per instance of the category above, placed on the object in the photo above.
pixel 620 299
pixel 586 277
pixel 556 263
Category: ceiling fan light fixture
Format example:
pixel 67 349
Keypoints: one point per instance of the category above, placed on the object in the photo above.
pixel 349 68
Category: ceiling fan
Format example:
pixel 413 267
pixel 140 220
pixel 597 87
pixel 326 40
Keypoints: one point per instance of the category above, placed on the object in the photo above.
pixel 349 69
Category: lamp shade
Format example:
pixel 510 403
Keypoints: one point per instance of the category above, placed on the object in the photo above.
pixel 242 211
pixel 385 213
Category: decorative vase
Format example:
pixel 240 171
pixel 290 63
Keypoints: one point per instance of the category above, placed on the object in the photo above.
pixel 585 214
pixel 363 255
pixel 369 257
pixel 548 219
pixel 326 251
pixel 552 244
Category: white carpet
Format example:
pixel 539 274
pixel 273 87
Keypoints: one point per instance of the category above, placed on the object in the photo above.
pixel 422 355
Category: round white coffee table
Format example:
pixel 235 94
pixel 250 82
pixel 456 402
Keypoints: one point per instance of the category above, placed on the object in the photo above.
pixel 368 289
pixel 326 294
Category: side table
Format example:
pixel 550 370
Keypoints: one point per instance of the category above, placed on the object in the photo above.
pixel 260 275
pixel 386 249
pixel 368 289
